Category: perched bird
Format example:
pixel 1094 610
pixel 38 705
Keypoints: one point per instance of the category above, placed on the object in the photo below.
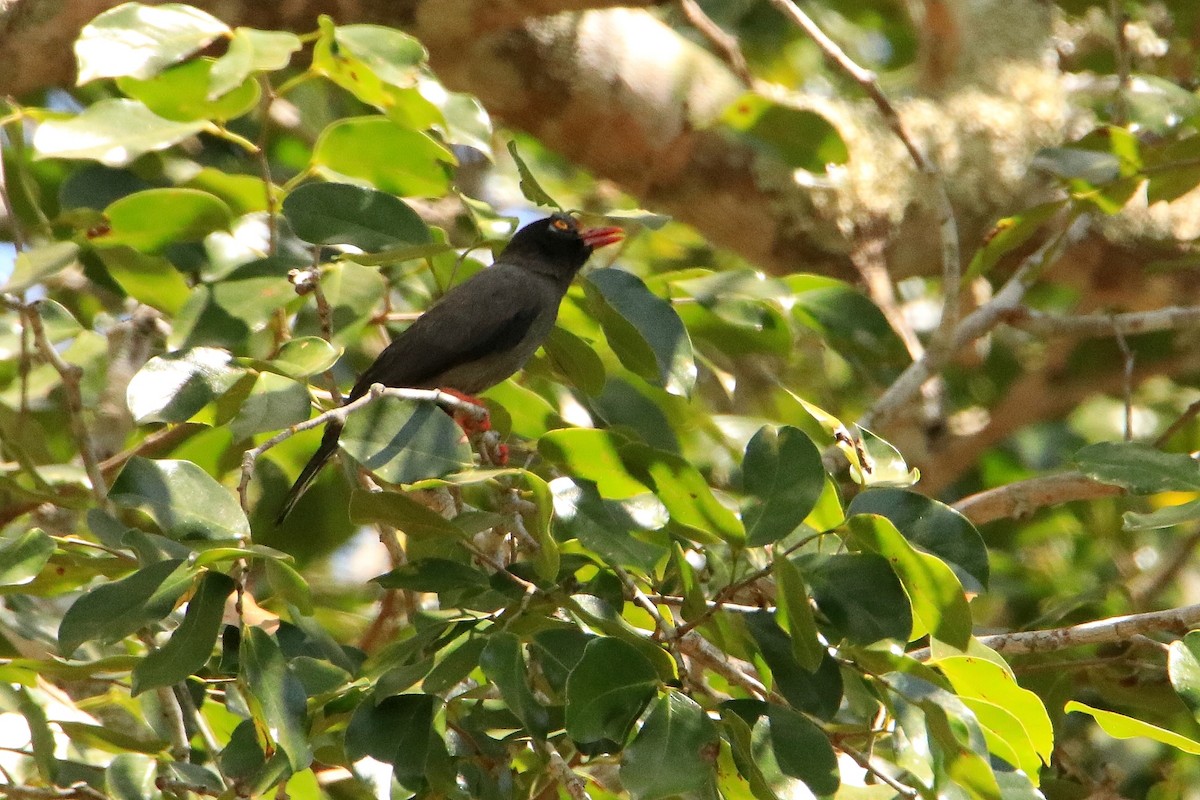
pixel 483 330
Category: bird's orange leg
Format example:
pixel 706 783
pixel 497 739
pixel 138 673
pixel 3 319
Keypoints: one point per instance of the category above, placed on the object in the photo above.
pixel 473 425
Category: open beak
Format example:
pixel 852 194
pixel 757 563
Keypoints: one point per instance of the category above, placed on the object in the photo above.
pixel 601 237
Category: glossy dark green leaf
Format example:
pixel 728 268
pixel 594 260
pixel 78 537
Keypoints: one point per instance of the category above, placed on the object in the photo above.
pixel 1138 467
pixel 607 690
pixel 113 132
pixel 22 556
pixel 279 694
pixel 290 585
pixel 802 750
pixel 932 526
pixel 795 614
pixel 818 693
pixel 455 665
pixel 504 665
pixel 401 512
pixel 557 651
pixel 340 213
pixel 939 605
pixel 530 187
pixel 39 262
pixel 592 455
pixel 849 323
pixel 682 489
pixel 403 441
pixel 575 360
pixel 393 159
pixel 303 357
pixel 391 730
pixel 150 279
pixel 182 93
pixel 797 137
pixel 1183 668
pixel 782 471
pixel 173 387
pixel 185 501
pixel 139 40
pixel 274 402
pixel 251 50
pixel 434 575
pixel 152 219
pixel 112 611
pixel 860 595
pixel 606 526
pixel 678 733
pixel 642 329
pixel 192 642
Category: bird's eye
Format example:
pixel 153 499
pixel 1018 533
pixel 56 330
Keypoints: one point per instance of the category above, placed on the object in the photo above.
pixel 560 225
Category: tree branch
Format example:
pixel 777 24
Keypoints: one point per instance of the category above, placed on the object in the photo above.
pixel 1022 498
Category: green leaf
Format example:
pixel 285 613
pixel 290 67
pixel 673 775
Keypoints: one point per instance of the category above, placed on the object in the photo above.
pixel 642 329
pixel 530 187
pixel 1090 166
pixel 290 585
pixel 22 556
pixel 984 680
pixel 1010 233
pixel 279 694
pixel 173 387
pixel 391 158
pixel 353 292
pixel 436 575
pixel 798 138
pixel 130 776
pixel 302 358
pixel 251 50
pixel 547 559
pixel 795 614
pixel 394 56
pixel 818 693
pixel 402 512
pixel 677 732
pixel 850 324
pixel 607 691
pixel 181 93
pixel 938 602
pixel 39 262
pixel 150 279
pixel 192 642
pixel 41 738
pixel 802 751
pixel 860 595
pixel 340 213
pixel 933 527
pixel 605 526
pixel 274 402
pixel 1183 668
pixel 112 611
pixel 1162 517
pixel 228 312
pixel 576 360
pixel 397 730
pixel 504 665
pixel 592 455
pixel 404 442
pixel 113 132
pixel 185 501
pixel 783 473
pixel 139 40
pixel 685 493
pixel 1122 727
pixel 1138 467
pixel 154 219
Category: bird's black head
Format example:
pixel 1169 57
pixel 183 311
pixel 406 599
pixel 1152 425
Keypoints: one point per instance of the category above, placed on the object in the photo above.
pixel 557 244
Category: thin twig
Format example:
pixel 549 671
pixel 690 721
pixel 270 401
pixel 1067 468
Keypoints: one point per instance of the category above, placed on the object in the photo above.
pixel 1021 498
pixel 947 227
pixel 570 780
pixel 865 762
pixel 1183 419
pixel 1097 325
pixel 161 440
pixel 76 791
pixel 1143 593
pixel 340 414
pixel 699 648
pixel 264 165
pixel 725 43
pixel 1101 631
pixel 70 375
pixel 1126 380
pixel 172 714
pixel 205 730
pixel 666 630
pixel 182 788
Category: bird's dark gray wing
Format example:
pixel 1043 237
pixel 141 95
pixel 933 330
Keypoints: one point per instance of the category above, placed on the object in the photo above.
pixel 488 314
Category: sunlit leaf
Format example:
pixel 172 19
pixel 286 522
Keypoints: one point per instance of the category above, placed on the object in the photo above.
pixel 139 40
pixel 113 132
pixel 155 218
pixel 391 158
pixel 1122 727
pixel 250 50
pixel 23 555
pixel 37 263
pixel 183 499
pixel 173 387
pixel 797 137
pixel 182 93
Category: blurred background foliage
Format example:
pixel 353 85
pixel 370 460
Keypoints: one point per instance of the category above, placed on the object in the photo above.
pixel 680 445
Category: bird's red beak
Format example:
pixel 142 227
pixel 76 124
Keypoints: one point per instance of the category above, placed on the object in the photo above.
pixel 600 237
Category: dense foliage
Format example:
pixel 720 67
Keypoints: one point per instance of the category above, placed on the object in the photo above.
pixel 690 577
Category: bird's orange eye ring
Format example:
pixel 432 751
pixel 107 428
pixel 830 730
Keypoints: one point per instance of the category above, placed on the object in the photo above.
pixel 561 225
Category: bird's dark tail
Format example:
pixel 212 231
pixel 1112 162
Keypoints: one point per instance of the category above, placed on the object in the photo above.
pixel 329 443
